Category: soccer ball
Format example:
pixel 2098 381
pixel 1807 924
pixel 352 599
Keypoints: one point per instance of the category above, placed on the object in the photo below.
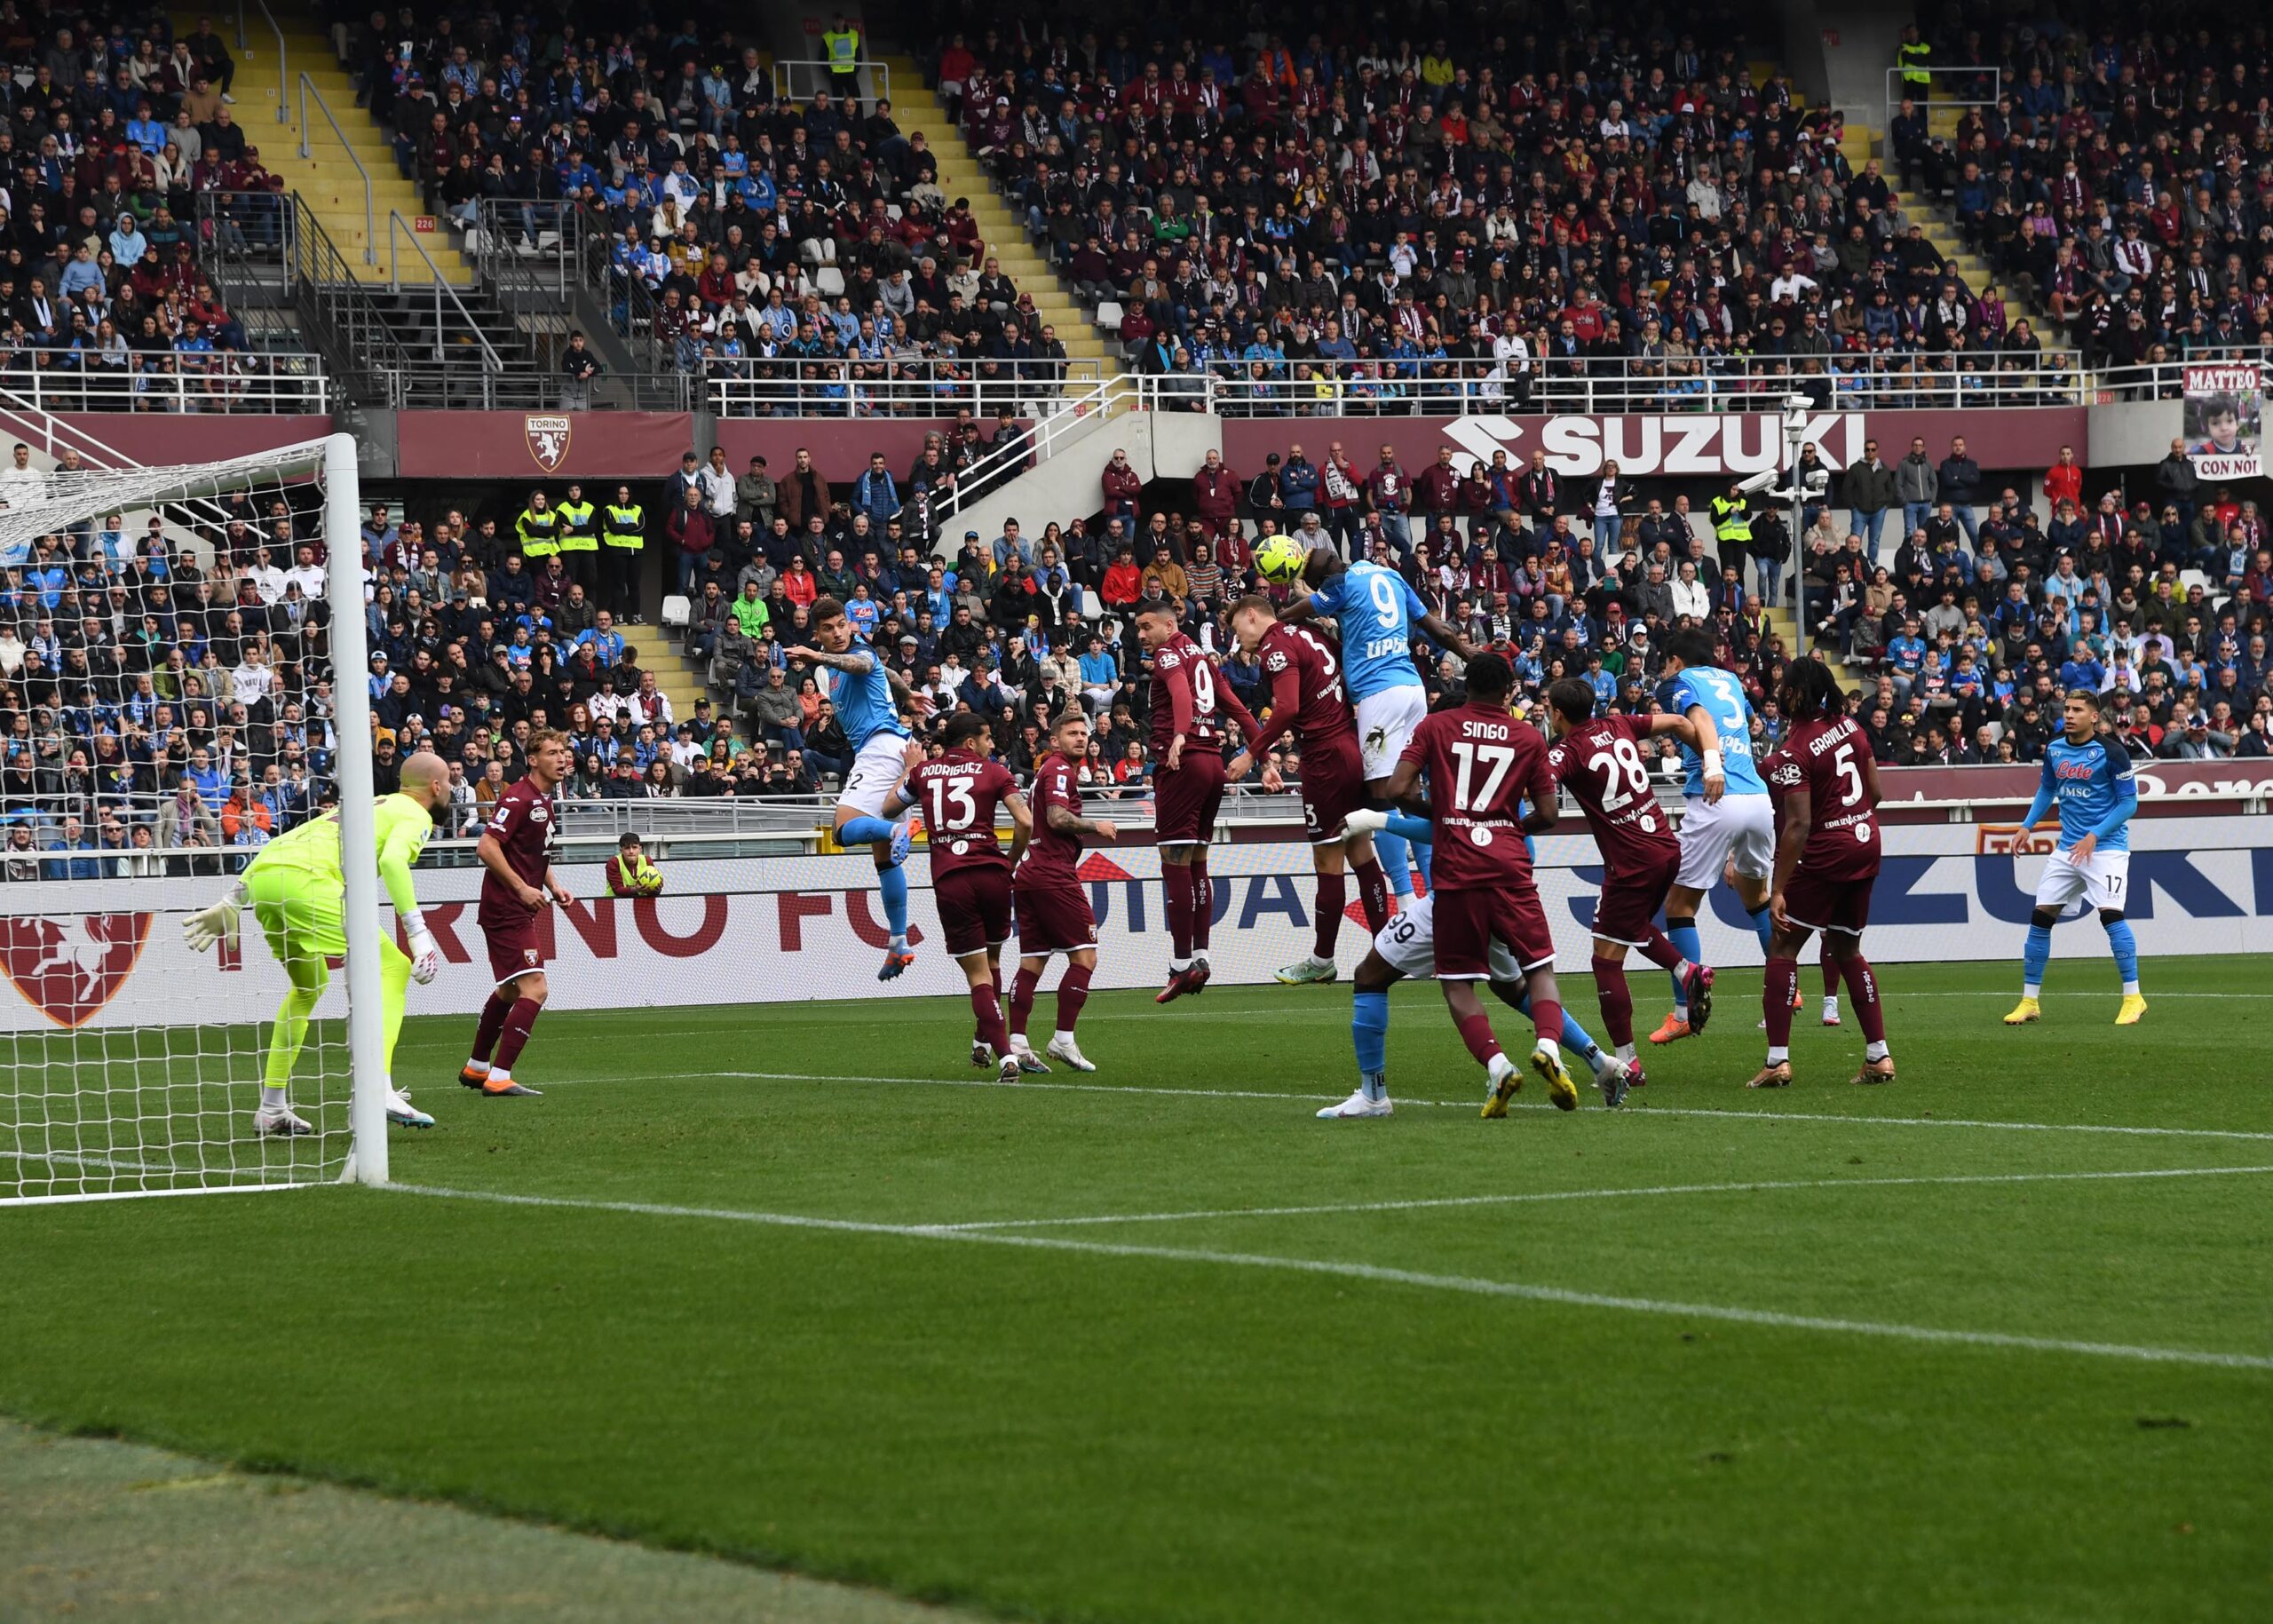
pixel 1280 559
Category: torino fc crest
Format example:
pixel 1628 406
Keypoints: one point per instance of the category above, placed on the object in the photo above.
pixel 548 437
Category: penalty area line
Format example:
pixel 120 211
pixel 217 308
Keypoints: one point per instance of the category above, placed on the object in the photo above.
pixel 1340 1269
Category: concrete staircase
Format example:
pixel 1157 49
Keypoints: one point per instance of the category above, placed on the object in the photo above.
pixel 916 107
pixel 328 182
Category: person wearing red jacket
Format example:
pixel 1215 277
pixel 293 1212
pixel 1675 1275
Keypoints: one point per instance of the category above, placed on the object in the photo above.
pixel 1124 582
pixel 1122 486
pixel 1216 495
pixel 1437 489
pixel 2063 481
pixel 690 529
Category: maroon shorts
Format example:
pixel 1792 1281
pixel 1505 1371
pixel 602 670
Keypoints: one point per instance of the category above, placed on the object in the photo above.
pixel 1185 800
pixel 1628 908
pixel 1333 786
pixel 1822 902
pixel 1054 919
pixel 514 947
pixel 1467 921
pixel 974 903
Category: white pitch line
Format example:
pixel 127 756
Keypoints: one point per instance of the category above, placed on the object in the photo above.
pixel 1343 1270
pixel 1426 1203
pixel 1476 1104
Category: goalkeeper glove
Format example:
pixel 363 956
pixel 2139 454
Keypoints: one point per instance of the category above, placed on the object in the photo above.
pixel 217 924
pixel 426 957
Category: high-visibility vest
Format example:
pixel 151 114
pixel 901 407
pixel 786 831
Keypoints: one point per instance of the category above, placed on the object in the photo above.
pixel 1913 56
pixel 1732 521
pixel 844 50
pixel 539 533
pixel 576 531
pixel 627 528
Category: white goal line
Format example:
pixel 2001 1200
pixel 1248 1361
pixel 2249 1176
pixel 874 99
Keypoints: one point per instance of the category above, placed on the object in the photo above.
pixel 1345 1270
pixel 1516 1198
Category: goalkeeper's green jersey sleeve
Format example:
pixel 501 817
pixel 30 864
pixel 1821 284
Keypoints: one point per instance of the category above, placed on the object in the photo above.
pixel 313 849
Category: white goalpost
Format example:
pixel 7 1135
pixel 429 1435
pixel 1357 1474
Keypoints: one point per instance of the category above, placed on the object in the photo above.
pixel 172 697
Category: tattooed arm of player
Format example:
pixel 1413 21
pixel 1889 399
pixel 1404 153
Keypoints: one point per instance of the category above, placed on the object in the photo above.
pixel 1064 819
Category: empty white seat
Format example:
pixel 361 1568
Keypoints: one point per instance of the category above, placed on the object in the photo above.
pixel 1110 314
pixel 828 281
pixel 676 609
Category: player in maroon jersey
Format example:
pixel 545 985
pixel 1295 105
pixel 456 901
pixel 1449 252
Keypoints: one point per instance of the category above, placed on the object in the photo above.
pixel 1597 759
pixel 1482 764
pixel 516 850
pixel 1190 701
pixel 1307 698
pixel 958 793
pixel 1053 910
pixel 1826 787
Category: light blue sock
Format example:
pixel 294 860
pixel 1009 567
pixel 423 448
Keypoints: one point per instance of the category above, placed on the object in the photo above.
pixel 1763 925
pixel 893 882
pixel 1575 1036
pixel 2038 955
pixel 1683 934
pixel 1422 850
pixel 1369 1036
pixel 2127 954
pixel 1391 850
pixel 865 831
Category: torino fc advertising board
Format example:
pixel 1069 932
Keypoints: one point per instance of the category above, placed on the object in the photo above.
pixel 104 954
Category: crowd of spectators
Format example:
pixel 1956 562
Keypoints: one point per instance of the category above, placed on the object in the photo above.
pixel 806 248
pixel 2117 176
pixel 1566 209
pixel 115 132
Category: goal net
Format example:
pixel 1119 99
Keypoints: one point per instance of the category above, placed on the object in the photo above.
pixel 175 692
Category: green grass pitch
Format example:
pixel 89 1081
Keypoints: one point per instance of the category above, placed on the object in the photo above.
pixel 794 1285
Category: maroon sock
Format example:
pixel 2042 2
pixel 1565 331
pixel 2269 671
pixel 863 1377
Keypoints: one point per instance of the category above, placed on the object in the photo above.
pixel 1616 1000
pixel 1373 893
pixel 1830 969
pixel 518 1022
pixel 1776 994
pixel 1073 992
pixel 1022 1000
pixel 1546 1020
pixel 1863 984
pixel 986 1019
pixel 1203 902
pixel 1658 949
pixel 492 1022
pixel 996 971
pixel 1333 894
pixel 1176 881
pixel 1475 1032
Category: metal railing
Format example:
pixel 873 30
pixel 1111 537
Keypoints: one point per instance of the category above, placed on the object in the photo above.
pixel 532 246
pixel 446 296
pixel 819 75
pixel 284 82
pixel 1075 418
pixel 889 386
pixel 226 381
pixel 370 217
pixel 1965 81
pixel 428 385
pixel 2166 380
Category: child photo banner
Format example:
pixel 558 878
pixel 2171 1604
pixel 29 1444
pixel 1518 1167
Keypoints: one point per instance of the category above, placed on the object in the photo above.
pixel 2225 406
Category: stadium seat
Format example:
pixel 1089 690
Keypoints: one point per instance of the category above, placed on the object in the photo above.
pixel 2189 579
pixel 676 611
pixel 828 281
pixel 1110 314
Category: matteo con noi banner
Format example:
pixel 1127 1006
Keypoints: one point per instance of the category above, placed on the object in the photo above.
pixel 775 930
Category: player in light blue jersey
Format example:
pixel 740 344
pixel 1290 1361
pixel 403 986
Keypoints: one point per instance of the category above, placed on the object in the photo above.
pixel 1728 813
pixel 2089 774
pixel 1376 611
pixel 867 695
pixel 1406 946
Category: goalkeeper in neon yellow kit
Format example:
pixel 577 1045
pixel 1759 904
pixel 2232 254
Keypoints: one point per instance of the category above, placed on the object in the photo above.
pixel 299 896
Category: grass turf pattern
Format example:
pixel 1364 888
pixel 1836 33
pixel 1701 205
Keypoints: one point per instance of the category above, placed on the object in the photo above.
pixel 1195 1403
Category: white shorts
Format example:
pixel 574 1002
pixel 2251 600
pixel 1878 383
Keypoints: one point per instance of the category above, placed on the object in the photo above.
pixel 1385 724
pixel 2103 881
pixel 1742 824
pixel 1409 943
pixel 876 772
